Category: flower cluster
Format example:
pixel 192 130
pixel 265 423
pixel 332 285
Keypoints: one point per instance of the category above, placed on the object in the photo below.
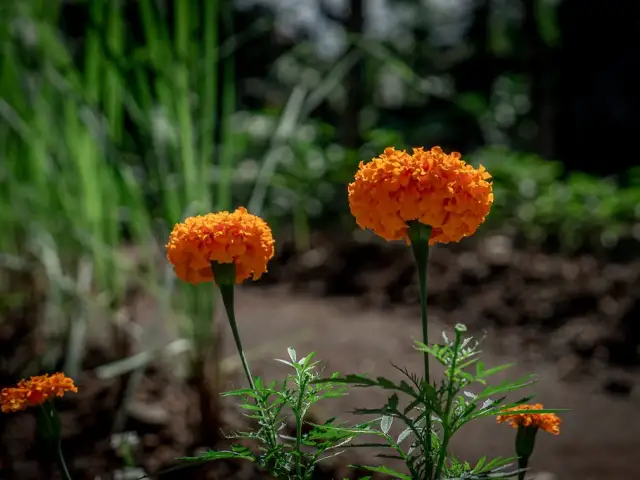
pixel 432 187
pixel 223 237
pixel 549 422
pixel 35 391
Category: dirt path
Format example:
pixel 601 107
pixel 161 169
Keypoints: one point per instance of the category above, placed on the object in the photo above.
pixel 600 436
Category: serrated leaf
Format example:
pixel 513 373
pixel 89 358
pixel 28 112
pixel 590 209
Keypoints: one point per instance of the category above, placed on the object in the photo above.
pixel 385 423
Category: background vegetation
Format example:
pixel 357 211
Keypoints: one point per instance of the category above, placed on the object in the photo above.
pixel 119 118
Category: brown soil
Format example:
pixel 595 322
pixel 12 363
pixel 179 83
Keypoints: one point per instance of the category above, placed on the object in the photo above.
pixel 572 321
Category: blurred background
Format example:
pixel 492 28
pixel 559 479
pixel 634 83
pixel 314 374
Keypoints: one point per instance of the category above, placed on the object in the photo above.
pixel 119 118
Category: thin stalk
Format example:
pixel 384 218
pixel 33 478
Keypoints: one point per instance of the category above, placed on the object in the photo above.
pixel 63 464
pixel 48 431
pixel 523 463
pixel 224 273
pixel 298 443
pixel 525 444
pixel 447 412
pixel 302 385
pixel 421 256
pixel 419 235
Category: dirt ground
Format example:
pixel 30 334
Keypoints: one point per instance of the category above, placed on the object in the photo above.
pixel 573 321
pixel 599 438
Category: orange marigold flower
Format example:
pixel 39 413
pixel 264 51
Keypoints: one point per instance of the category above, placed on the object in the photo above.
pixel 549 422
pixel 437 189
pixel 223 237
pixel 35 391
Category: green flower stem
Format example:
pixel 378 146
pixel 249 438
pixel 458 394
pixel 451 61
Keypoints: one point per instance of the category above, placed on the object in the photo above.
pixel 525 443
pixel 225 278
pixel 63 464
pixel 419 235
pixel 48 429
pixel 523 463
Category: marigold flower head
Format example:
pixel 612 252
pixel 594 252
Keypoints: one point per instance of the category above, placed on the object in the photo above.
pixel 549 422
pixel 438 189
pixel 238 237
pixel 35 391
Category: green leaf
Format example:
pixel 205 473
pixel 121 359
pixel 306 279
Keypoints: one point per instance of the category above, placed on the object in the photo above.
pixel 236 451
pixel 392 403
pixel 292 354
pixel 506 386
pixel 498 462
pixel 307 360
pixel 389 457
pixel 240 392
pixel 542 410
pixel 385 470
pixel 403 435
pixel 285 362
pixel 482 373
pixel 364 381
pixel 479 465
pixel 385 423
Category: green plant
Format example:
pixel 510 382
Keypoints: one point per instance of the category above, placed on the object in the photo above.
pixel 432 412
pixel 448 406
pixel 573 209
pixel 239 245
pixel 271 406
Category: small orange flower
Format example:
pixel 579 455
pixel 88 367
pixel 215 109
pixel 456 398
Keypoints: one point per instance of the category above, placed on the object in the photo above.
pixel 549 422
pixel 35 391
pixel 437 189
pixel 223 237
